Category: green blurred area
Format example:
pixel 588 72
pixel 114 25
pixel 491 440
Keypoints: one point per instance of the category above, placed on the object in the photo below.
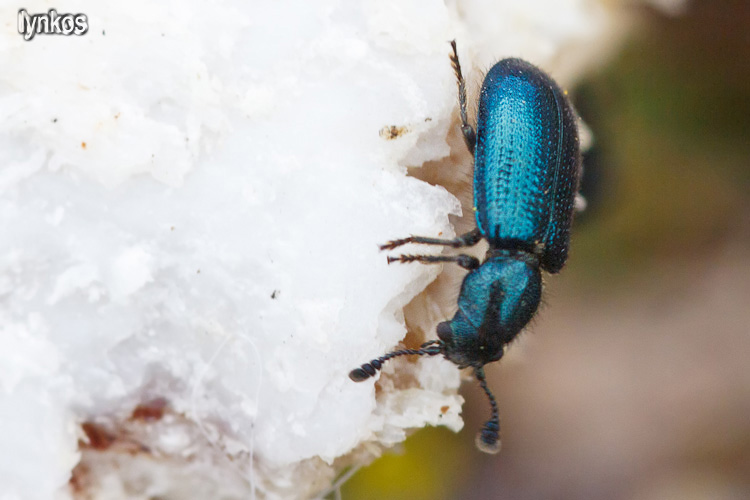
pixel 430 465
pixel 671 118
pixel 671 183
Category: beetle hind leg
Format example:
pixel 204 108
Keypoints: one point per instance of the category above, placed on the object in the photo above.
pixel 466 129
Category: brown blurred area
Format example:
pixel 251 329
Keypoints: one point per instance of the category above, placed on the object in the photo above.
pixel 633 382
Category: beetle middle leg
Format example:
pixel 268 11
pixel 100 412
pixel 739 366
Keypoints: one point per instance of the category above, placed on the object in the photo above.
pixel 465 240
pixel 465 261
pixel 468 131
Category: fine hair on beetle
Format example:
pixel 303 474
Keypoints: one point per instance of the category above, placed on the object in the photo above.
pixel 526 174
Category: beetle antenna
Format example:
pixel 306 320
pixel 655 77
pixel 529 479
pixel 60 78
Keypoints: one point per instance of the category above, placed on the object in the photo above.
pixel 488 439
pixel 430 348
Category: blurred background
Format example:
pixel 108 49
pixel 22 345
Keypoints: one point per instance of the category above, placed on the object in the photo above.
pixel 634 380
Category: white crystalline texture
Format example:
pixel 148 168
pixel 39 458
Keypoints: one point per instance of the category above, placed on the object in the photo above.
pixel 191 198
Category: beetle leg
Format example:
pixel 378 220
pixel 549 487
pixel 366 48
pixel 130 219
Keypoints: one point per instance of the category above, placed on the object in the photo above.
pixel 465 261
pixel 465 240
pixel 468 131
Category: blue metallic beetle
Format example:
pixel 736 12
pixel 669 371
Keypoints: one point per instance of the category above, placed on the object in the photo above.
pixel 526 173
